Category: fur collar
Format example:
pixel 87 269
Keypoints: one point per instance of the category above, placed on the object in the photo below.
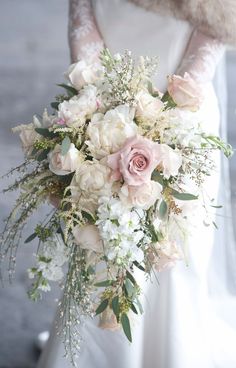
pixel 215 18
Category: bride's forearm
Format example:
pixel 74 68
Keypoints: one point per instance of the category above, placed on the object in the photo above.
pixel 201 57
pixel 84 38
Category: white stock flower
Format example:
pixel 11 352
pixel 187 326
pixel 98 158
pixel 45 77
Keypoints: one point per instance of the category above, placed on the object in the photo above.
pixel 171 160
pixel 79 108
pixel 107 133
pixel 142 196
pixel 81 73
pixel 120 229
pixel 65 164
pixel 148 107
pixel 46 122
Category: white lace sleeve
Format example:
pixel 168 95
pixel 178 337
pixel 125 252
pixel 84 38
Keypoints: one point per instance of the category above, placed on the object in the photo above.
pixel 85 40
pixel 201 57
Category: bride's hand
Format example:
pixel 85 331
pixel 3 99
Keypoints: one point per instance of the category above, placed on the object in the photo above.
pixel 85 40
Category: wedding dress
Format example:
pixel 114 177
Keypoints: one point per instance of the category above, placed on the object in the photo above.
pixel 185 323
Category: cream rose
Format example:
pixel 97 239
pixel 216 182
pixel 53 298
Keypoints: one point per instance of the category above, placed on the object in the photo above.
pixel 89 182
pixel 171 160
pixel 107 133
pixel 64 164
pixel 186 93
pixel 164 255
pixel 82 73
pixel 148 107
pixel 79 108
pixel 28 136
pixel 143 196
pixel 88 237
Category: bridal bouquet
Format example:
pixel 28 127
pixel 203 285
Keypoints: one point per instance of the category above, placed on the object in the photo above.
pixel 123 166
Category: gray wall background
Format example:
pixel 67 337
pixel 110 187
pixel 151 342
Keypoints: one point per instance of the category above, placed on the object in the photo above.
pixel 33 56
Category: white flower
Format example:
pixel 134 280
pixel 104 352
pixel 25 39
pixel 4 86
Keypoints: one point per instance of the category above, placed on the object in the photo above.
pixel 164 254
pixel 88 237
pixel 107 133
pixel 141 196
pixel 46 121
pixel 28 136
pixel 64 164
pixel 171 160
pixel 148 107
pixel 91 181
pixel 79 108
pixel 81 73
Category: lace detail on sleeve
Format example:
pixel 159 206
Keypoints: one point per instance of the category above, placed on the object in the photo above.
pixel 201 57
pixel 84 37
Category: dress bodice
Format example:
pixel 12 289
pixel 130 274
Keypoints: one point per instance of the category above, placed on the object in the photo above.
pixel 124 25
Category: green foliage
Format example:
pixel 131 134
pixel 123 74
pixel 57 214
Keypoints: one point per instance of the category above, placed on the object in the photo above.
pixel 163 209
pixel 104 283
pixel 65 145
pixel 102 306
pixel 216 142
pixel 71 91
pixel 168 100
pixel 126 326
pixel 183 196
pixel 115 306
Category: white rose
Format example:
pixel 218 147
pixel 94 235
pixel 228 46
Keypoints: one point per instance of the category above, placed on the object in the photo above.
pixel 88 237
pixel 171 160
pixel 89 182
pixel 164 254
pixel 28 136
pixel 142 196
pixel 81 73
pixel 64 164
pixel 107 133
pixel 148 107
pixel 79 108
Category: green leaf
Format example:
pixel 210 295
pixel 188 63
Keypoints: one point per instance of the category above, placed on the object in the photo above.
pixel 170 103
pixel 131 277
pixel 126 326
pixel 30 238
pixel 104 283
pixel 138 265
pixel 45 132
pixel 115 306
pixel 129 288
pixel 183 196
pixel 134 309
pixel 102 306
pixel 55 105
pixel 71 91
pixel 65 146
pixel 154 234
pixel 43 155
pixel 215 225
pixel 156 176
pixel 163 209
pixel 88 217
pixel 139 306
pixel 216 206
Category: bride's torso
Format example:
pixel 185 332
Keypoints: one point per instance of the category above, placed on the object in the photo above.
pixel 124 25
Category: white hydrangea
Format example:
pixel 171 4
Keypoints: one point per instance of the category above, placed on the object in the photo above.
pixel 120 229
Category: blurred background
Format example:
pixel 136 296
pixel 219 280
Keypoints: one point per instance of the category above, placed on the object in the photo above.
pixel 33 56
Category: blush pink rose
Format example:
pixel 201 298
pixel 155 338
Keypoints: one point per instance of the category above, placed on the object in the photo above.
pixel 136 161
pixel 185 92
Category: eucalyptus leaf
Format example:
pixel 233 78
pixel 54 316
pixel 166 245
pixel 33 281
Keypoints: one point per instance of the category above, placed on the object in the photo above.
pixel 115 306
pixel 126 326
pixel 133 308
pixel 102 306
pixel 55 105
pixel 139 306
pixel 138 265
pixel 156 176
pixel 170 103
pixel 65 145
pixel 183 196
pixel 31 237
pixel 104 283
pixel 129 288
pixel 163 209
pixel 46 133
pixel 43 155
pixel 71 91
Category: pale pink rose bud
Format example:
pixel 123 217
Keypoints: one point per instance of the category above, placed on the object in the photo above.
pixel 88 237
pixel 185 92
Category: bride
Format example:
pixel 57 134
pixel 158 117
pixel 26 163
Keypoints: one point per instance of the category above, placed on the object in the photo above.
pixel 184 325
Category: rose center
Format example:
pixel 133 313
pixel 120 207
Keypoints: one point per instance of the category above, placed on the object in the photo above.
pixel 139 162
